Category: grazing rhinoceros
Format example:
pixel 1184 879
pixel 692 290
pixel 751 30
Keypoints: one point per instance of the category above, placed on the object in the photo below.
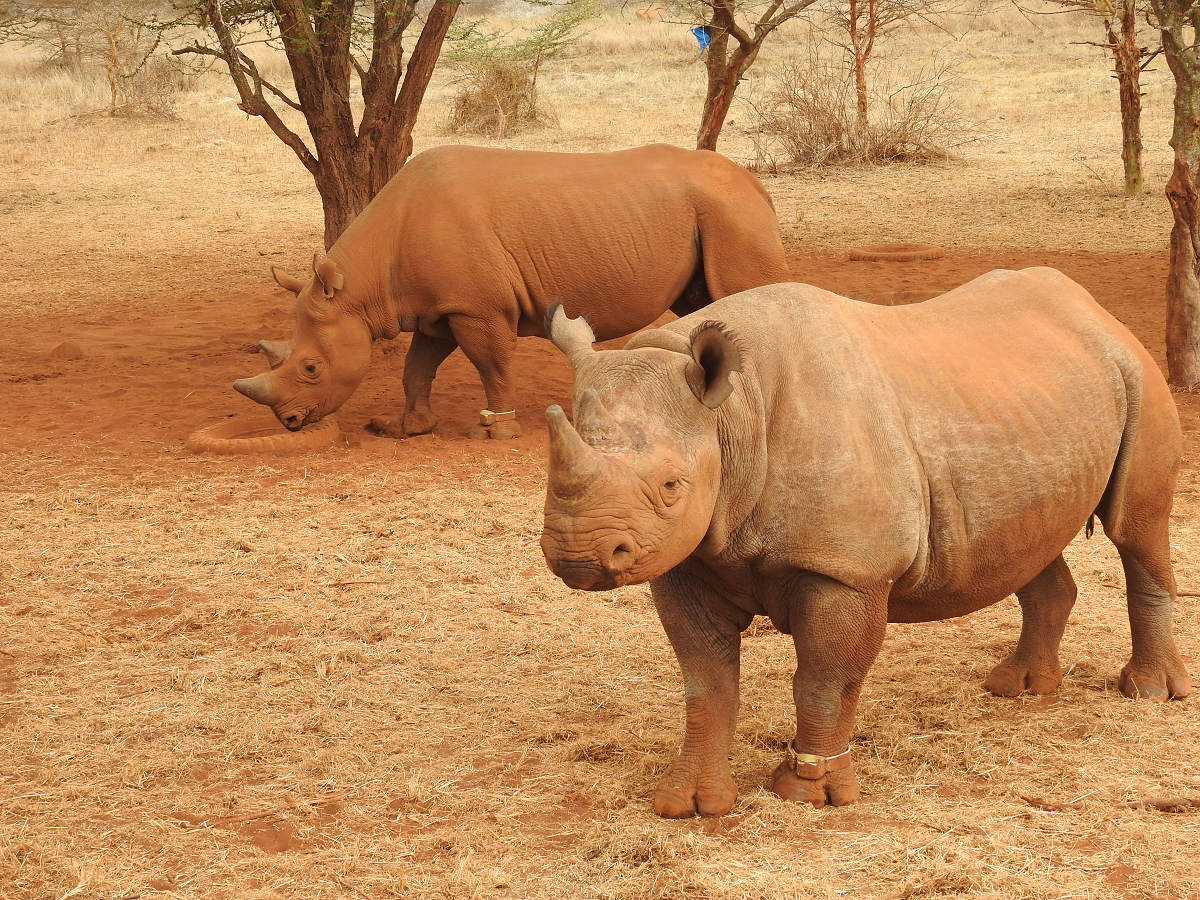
pixel 468 247
pixel 836 466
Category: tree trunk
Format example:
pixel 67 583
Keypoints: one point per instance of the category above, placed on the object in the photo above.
pixel 725 70
pixel 1183 284
pixel 1183 279
pixel 861 50
pixel 722 84
pixel 1127 59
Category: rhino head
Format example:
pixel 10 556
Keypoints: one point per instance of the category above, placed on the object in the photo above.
pixel 326 359
pixel 634 482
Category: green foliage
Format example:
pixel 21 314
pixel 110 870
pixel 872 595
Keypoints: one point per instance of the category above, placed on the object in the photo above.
pixel 472 46
pixel 500 95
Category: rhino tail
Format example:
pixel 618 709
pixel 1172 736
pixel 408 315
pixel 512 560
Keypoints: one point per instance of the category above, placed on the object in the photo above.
pixel 1111 508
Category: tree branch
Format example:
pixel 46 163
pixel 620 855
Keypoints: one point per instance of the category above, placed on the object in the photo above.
pixel 253 103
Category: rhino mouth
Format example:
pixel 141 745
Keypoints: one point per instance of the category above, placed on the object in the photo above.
pixel 294 421
pixel 584 575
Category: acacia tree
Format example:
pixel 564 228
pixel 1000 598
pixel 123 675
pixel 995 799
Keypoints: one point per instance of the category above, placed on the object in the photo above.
pixel 1119 18
pixel 727 65
pixel 860 24
pixel 328 44
pixel 1179 22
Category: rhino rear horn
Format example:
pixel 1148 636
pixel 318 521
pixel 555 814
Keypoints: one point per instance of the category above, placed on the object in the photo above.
pixel 574 337
pixel 715 357
pixel 573 464
pixel 597 426
pixel 276 352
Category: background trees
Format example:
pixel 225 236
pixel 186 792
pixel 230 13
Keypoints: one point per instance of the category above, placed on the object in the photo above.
pixel 726 63
pixel 1179 23
pixel 331 48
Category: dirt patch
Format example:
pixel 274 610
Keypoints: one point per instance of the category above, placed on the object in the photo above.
pixel 197 649
pixel 145 385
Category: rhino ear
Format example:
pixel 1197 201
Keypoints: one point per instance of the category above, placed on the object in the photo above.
pixel 286 281
pixel 715 357
pixel 326 271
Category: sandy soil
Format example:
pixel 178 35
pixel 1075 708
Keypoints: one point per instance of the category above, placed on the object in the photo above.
pixel 141 386
pixel 207 660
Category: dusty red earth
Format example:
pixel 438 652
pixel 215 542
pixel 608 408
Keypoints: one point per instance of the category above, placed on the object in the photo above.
pixel 138 386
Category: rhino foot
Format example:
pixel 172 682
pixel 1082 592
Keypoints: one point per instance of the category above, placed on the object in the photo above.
pixel 1155 682
pixel 413 423
pixel 385 428
pixel 416 422
pixel 837 788
pixel 1014 677
pixel 679 796
pixel 500 431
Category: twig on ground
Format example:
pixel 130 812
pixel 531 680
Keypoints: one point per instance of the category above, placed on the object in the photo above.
pixel 289 804
pixel 1162 804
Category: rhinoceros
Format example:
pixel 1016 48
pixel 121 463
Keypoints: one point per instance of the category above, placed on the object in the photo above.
pixel 468 247
pixel 836 466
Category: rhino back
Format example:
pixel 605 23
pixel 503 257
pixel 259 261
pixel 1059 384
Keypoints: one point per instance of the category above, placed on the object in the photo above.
pixel 607 233
pixel 953 447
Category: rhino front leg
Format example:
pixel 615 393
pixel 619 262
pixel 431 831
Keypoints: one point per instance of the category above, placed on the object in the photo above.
pixel 421 363
pixel 838 633
pixel 708 647
pixel 490 344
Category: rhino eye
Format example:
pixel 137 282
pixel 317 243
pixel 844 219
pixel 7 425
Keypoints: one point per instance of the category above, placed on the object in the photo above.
pixel 671 485
pixel 311 368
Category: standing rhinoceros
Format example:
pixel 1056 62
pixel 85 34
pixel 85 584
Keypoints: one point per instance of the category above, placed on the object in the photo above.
pixel 468 247
pixel 836 466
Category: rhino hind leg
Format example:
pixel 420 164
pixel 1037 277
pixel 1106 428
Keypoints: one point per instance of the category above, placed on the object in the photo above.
pixel 1033 666
pixel 1136 513
pixel 1155 669
pixel 695 296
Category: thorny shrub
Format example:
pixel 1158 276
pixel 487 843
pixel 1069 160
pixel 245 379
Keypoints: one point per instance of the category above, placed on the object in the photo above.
pixel 501 96
pixel 499 99
pixel 811 119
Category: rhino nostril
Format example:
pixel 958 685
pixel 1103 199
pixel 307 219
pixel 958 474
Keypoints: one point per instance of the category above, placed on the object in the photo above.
pixel 622 557
pixel 293 423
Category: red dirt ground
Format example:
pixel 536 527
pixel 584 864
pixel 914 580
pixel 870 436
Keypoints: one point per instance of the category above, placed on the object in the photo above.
pixel 142 385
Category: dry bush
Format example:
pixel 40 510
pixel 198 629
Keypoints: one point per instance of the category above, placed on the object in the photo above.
pixel 500 98
pixel 810 119
pixel 153 88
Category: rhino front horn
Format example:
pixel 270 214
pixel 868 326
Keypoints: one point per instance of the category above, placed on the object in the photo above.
pixel 276 352
pixel 257 388
pixel 573 464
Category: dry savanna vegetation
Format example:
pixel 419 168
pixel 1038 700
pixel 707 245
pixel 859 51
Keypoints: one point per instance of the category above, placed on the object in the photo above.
pixel 349 673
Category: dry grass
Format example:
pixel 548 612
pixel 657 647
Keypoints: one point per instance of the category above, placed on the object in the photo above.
pixel 181 658
pixel 811 120
pixel 198 654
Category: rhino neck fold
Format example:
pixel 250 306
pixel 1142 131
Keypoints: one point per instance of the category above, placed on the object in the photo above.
pixel 742 433
pixel 368 294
